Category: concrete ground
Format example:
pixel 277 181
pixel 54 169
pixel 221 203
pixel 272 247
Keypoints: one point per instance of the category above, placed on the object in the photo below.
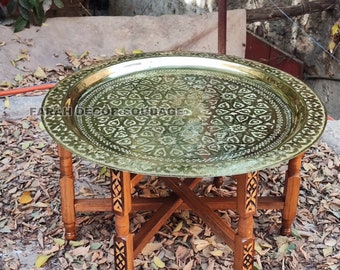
pixel 46 45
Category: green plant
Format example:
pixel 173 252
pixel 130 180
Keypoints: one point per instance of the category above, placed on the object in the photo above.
pixel 30 11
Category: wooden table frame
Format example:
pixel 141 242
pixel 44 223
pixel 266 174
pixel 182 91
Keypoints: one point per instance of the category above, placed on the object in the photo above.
pixel 127 246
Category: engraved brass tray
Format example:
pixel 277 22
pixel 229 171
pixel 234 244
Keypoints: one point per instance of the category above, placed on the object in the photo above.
pixel 183 114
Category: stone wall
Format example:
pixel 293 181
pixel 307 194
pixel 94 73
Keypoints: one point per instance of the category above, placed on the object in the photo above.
pixel 157 7
pixel 306 37
pixel 301 37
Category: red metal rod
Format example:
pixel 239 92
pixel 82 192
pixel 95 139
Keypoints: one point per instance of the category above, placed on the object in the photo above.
pixel 222 26
pixel 26 89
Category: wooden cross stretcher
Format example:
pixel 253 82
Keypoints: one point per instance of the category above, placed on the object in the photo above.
pixel 127 246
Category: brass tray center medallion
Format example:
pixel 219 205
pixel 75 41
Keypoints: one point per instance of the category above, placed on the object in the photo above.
pixel 181 114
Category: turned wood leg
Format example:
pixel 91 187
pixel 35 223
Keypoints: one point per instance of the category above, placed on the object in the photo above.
pixel 246 207
pixel 67 192
pixel 291 194
pixel 121 205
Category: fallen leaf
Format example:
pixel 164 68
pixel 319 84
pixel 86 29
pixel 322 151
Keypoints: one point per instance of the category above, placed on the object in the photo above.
pixel 280 240
pixel 201 244
pixel 6 84
pixel 6 102
pixel 3 223
pixel 308 166
pixel 178 227
pixel 41 126
pixel 181 252
pixel 5 229
pixel 13 63
pixel 195 230
pixel 327 251
pixel 158 262
pixel 151 247
pixel 296 233
pixel 137 51
pixel 26 145
pixel 40 238
pixel 330 242
pixel 41 205
pixel 59 3
pixel 18 78
pixel 70 55
pixel 60 242
pixel 216 253
pixel 86 191
pixel 95 245
pixel 262 247
pixel 80 251
pixel 76 243
pixel 25 198
pixel 103 170
pixel 120 52
pixel 84 54
pixel 76 62
pixel 42 259
pixel 40 73
pixel 189 265
pixel 22 56
pixel 281 251
pixel 25 124
pixel 327 171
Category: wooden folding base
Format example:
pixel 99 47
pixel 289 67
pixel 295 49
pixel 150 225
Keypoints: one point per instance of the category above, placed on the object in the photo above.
pixel 127 246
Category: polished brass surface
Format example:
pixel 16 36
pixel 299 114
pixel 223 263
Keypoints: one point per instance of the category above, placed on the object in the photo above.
pixel 183 114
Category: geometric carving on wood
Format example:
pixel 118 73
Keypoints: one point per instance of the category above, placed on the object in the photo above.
pixel 117 194
pixel 120 254
pixel 251 192
pixel 248 256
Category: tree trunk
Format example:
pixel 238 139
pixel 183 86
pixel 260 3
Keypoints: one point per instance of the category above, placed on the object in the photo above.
pixel 263 14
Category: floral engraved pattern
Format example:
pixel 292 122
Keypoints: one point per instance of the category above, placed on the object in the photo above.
pixel 188 121
pixel 243 123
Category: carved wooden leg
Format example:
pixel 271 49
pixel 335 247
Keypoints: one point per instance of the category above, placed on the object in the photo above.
pixel 246 207
pixel 121 204
pixel 67 192
pixel 291 194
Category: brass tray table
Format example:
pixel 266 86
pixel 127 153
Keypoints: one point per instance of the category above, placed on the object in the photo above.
pixel 182 116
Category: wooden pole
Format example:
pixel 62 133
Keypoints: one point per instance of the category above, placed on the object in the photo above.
pixel 222 26
pixel 263 14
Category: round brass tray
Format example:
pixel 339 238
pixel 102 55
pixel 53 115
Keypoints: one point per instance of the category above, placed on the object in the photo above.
pixel 183 114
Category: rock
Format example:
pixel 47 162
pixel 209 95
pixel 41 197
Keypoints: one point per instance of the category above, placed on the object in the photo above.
pixel 156 8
